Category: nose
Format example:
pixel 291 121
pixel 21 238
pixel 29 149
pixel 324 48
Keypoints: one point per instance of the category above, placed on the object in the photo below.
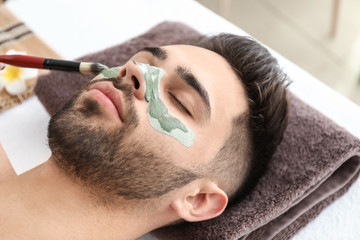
pixel 132 75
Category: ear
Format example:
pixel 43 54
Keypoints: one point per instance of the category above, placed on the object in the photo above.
pixel 206 202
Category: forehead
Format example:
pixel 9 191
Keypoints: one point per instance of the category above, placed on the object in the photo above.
pixel 226 93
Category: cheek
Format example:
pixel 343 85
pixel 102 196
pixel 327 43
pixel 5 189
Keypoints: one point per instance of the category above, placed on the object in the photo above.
pixel 170 149
pixel 165 122
pixel 210 139
pixel 165 145
pixel 159 143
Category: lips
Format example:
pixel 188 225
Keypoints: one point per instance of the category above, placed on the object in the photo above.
pixel 109 97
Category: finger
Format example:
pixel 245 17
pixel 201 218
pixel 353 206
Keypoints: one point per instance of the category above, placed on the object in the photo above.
pixel 2 66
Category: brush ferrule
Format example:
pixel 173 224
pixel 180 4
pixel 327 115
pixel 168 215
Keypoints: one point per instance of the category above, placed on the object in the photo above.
pixel 61 65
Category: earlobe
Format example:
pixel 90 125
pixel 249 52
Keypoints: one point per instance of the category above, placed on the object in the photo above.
pixel 207 203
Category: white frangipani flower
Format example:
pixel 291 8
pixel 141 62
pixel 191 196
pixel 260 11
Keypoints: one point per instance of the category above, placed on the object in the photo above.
pixel 13 78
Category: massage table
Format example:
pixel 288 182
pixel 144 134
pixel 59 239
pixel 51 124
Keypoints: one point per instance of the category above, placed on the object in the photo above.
pixel 76 28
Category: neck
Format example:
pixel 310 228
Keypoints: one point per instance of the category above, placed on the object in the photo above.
pixel 44 201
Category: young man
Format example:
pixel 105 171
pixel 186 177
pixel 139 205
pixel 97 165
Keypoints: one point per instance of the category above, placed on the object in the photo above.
pixel 180 131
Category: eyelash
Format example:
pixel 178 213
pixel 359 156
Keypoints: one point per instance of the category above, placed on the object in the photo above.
pixel 183 108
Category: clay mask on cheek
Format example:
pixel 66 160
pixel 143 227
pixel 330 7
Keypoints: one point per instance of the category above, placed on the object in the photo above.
pixel 159 116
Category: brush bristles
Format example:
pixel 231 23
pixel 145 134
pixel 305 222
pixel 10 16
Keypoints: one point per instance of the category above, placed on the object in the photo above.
pixel 91 68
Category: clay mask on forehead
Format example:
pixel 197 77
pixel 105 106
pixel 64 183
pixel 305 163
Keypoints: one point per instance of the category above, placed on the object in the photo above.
pixel 159 116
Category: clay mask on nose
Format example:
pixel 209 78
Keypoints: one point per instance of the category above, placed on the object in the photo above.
pixel 159 116
pixel 110 72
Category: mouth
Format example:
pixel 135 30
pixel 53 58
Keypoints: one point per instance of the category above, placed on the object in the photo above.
pixel 108 97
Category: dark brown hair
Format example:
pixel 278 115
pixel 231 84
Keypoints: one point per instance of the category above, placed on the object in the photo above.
pixel 255 135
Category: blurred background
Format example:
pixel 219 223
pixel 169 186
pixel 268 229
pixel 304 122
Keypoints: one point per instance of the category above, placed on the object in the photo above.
pixel 320 36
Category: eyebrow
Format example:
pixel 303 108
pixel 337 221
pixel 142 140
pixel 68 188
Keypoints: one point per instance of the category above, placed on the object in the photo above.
pixel 157 52
pixel 190 79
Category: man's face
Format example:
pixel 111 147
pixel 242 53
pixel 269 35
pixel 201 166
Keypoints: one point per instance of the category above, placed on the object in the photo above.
pixel 104 137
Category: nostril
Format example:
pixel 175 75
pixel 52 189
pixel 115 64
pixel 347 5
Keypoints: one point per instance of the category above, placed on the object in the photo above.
pixel 135 82
pixel 122 72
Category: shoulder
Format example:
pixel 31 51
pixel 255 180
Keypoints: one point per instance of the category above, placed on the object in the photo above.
pixel 6 169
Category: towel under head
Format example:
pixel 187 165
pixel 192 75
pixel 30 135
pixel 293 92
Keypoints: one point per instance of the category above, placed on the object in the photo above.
pixel 315 164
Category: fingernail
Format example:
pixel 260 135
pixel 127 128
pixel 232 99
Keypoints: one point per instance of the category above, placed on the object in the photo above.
pixel 2 66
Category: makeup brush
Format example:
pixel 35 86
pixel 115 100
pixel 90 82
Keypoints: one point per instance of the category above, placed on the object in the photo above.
pixel 52 64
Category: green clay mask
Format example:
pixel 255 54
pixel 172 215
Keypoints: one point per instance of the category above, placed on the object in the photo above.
pixel 110 72
pixel 159 116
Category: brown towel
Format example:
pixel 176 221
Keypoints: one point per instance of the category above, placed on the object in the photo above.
pixel 315 164
pixel 15 35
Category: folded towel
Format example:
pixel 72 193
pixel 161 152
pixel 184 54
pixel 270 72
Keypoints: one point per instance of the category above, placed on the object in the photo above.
pixel 315 164
pixel 15 35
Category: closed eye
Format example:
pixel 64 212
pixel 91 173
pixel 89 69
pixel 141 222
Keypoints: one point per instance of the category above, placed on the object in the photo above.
pixel 179 104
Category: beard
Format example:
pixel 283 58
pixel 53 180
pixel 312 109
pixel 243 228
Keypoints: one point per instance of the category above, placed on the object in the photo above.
pixel 111 162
